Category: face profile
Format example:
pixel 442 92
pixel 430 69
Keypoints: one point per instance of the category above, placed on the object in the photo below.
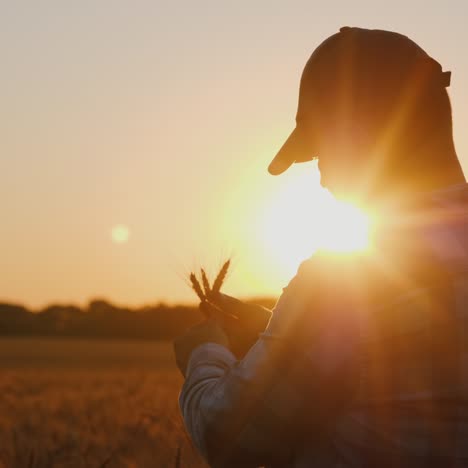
pixel 373 109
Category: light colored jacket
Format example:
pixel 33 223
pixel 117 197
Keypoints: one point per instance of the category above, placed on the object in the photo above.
pixel 364 362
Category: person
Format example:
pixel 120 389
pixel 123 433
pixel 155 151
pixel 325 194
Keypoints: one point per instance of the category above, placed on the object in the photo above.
pixel 363 361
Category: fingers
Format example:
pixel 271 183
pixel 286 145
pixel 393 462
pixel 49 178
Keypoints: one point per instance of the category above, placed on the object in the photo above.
pixel 250 316
pixel 222 316
pixel 223 300
pixel 206 308
pixel 231 305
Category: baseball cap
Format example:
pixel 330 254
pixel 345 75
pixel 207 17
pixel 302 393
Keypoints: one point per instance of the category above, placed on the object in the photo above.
pixel 376 57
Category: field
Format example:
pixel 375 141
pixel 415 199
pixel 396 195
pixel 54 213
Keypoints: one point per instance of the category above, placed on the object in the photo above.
pixel 90 404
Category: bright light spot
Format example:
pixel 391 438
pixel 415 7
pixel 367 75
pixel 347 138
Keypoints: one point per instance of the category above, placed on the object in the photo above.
pixel 120 234
pixel 303 217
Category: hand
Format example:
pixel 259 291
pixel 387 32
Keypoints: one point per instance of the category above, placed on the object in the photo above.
pixel 241 322
pixel 208 331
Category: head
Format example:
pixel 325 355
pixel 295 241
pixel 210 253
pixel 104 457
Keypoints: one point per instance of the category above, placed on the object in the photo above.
pixel 374 109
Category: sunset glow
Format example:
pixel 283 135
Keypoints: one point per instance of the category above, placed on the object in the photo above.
pixel 304 217
pixel 164 118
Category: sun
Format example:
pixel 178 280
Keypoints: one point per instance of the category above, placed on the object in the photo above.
pixel 120 234
pixel 303 217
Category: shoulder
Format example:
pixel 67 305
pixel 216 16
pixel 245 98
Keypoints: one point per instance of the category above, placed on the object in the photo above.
pixel 327 268
pixel 325 281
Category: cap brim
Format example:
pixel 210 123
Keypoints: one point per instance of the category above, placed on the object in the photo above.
pixel 294 149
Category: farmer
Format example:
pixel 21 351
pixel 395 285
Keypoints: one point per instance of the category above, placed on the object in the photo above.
pixel 363 361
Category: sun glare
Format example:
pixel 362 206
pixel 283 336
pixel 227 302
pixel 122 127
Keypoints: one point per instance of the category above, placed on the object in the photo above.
pixel 303 217
pixel 120 234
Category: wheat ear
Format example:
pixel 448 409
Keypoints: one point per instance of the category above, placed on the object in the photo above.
pixel 206 283
pixel 218 282
pixel 178 457
pixel 196 287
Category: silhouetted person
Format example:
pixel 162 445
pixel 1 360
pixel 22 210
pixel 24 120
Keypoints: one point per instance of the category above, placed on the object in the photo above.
pixel 364 361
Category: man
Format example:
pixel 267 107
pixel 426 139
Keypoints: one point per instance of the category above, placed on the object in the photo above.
pixel 363 362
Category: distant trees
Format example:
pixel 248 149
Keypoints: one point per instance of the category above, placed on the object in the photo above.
pixel 14 319
pixel 100 319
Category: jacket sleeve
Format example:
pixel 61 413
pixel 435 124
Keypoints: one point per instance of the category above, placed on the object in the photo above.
pixel 255 411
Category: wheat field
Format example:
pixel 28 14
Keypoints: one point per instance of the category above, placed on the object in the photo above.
pixel 75 403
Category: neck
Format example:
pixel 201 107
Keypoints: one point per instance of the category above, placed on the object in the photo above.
pixel 436 164
pixel 433 167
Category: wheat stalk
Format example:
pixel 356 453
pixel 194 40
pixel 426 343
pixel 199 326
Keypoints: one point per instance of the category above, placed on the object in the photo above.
pixel 207 291
pixel 196 287
pixel 178 457
pixel 218 282
pixel 206 283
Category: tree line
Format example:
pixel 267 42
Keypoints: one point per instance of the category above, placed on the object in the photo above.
pixel 101 319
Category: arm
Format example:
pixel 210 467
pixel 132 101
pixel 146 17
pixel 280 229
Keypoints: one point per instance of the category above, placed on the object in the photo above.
pixel 252 412
pixel 222 403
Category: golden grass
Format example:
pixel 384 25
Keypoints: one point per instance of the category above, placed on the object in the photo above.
pixel 90 404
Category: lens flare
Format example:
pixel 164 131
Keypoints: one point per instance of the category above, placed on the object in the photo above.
pixel 303 217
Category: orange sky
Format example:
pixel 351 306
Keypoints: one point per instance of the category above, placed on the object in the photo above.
pixel 162 117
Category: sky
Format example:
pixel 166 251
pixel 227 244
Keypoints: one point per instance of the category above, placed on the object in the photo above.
pixel 136 136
